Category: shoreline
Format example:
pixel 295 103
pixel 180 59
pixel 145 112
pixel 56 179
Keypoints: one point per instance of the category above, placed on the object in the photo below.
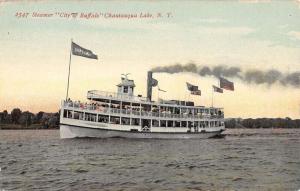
pixel 20 127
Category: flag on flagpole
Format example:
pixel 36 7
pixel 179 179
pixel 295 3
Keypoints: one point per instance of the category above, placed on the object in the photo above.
pixel 226 84
pixel 217 89
pixel 154 82
pixel 193 89
pixel 161 90
pixel 79 51
pixel 197 92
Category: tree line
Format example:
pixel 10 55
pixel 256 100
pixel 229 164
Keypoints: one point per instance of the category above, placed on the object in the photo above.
pixel 42 119
pixel 262 123
pixel 21 119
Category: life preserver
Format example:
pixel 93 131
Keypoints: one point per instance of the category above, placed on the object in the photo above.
pixel 145 128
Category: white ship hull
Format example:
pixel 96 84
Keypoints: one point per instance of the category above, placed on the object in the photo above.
pixel 70 128
pixel 70 131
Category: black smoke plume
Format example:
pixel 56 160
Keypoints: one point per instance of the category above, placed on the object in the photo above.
pixel 254 76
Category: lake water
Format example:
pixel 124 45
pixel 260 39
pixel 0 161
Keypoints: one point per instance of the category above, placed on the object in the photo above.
pixel 260 159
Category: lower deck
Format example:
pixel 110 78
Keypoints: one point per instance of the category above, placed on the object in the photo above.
pixel 145 126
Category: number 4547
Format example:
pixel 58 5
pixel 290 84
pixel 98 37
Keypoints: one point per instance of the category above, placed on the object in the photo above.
pixel 21 15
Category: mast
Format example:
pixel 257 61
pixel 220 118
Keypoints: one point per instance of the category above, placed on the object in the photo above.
pixel 70 59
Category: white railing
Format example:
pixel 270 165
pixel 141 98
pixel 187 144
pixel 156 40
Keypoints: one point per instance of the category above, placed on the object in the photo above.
pixel 103 94
pixel 105 110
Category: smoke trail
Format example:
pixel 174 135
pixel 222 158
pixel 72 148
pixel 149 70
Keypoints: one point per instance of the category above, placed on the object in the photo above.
pixel 269 77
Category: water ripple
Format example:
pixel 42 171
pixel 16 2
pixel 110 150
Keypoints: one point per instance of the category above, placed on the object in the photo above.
pixel 244 160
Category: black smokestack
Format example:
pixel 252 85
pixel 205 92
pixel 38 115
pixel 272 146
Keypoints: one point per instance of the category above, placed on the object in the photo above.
pixel 269 77
pixel 149 85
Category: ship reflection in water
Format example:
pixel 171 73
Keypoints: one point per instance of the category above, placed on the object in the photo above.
pixel 262 159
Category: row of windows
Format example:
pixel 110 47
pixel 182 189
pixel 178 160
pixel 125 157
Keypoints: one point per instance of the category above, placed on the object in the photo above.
pixel 137 121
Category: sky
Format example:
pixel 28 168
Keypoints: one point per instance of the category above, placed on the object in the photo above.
pixel 261 35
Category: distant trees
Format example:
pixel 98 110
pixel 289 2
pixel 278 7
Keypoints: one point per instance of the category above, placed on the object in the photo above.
pixel 51 120
pixel 15 115
pixel 263 123
pixel 38 116
pixel 26 119
pixel 5 117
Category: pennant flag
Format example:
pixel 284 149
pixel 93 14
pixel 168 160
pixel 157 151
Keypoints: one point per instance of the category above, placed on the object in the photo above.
pixel 154 82
pixel 191 87
pixel 79 51
pixel 226 84
pixel 161 90
pixel 197 92
pixel 217 89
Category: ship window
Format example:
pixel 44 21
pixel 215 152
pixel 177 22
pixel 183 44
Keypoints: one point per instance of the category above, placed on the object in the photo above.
pixel 115 120
pixel 125 121
pixel 183 124
pixel 103 118
pixel 202 125
pixel 206 123
pixel 170 123
pixel 177 123
pixel 125 89
pixel 67 113
pixel 163 123
pixel 78 115
pixel 135 121
pixel 90 117
pixel 155 123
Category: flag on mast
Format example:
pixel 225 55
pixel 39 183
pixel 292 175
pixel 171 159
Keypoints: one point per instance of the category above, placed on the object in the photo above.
pixel 79 51
pixel 193 89
pixel 226 84
pixel 154 82
pixel 217 89
pixel 161 90
pixel 198 92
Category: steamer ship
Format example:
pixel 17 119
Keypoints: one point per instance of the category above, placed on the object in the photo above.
pixel 122 114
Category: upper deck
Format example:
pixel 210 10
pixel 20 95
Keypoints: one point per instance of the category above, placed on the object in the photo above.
pixel 100 95
pixel 105 96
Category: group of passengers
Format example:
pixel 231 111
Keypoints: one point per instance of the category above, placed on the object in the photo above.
pixel 135 110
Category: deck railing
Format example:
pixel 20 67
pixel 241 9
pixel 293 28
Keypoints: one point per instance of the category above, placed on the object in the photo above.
pixel 100 94
pixel 105 110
